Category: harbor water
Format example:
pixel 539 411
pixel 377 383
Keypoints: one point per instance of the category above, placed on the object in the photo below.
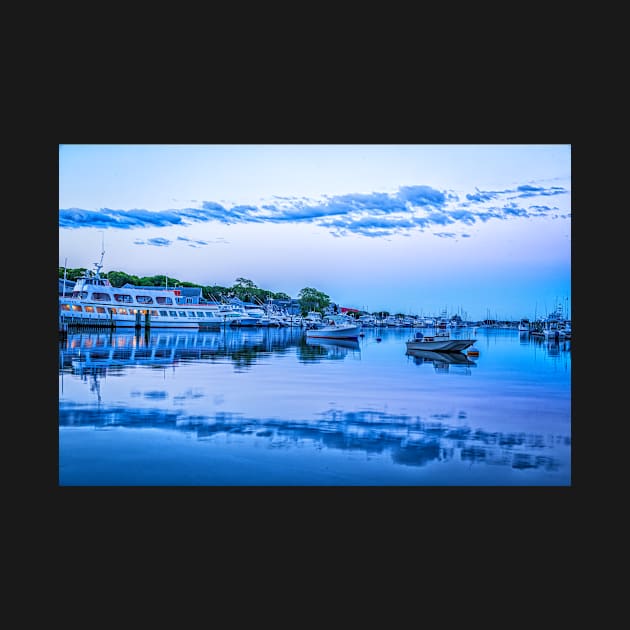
pixel 267 407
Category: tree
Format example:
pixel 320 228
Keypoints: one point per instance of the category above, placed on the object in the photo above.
pixel 312 300
pixel 214 292
pixel 245 283
pixel 119 278
pixel 71 274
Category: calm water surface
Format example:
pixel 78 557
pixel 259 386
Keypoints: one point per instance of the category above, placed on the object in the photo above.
pixel 264 407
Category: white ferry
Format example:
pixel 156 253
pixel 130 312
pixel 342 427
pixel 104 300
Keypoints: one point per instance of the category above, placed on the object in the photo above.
pixel 95 302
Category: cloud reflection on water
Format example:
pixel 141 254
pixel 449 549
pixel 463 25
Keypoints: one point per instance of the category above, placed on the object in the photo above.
pixel 410 441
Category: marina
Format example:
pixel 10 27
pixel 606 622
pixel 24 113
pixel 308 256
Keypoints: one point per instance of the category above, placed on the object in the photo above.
pixel 94 303
pixel 315 315
pixel 272 406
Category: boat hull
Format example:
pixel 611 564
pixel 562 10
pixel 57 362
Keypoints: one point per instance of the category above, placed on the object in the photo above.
pixel 334 332
pixel 440 345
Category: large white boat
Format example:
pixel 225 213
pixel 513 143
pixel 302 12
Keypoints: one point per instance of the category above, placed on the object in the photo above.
pixel 95 302
pixel 335 327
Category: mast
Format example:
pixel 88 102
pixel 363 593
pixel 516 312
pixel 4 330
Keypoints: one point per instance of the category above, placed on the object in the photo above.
pixel 65 275
pixel 99 265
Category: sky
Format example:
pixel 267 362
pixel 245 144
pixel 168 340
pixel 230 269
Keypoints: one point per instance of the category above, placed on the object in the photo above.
pixel 479 230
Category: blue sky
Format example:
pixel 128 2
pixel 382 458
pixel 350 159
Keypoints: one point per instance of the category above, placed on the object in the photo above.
pixel 475 229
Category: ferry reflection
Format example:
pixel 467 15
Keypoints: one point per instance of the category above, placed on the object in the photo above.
pixel 98 353
pixel 409 440
pixel 317 349
pixel 442 361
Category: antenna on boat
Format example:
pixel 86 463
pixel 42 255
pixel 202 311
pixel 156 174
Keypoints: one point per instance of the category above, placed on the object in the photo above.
pixel 65 275
pixel 99 265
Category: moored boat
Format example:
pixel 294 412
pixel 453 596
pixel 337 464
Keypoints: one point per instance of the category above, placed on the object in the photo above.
pixel 441 342
pixel 95 302
pixel 335 327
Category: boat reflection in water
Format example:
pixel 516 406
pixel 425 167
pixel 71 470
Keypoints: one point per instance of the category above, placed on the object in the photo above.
pixel 555 349
pixel 315 349
pixel 113 352
pixel 253 407
pixel 442 361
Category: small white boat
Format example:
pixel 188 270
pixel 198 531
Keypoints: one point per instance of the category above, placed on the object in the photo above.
pixel 440 342
pixel 334 328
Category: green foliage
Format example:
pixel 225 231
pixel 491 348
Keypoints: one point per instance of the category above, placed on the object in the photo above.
pixel 312 300
pixel 214 292
pixel 158 281
pixel 119 278
pixel 244 283
pixel 71 274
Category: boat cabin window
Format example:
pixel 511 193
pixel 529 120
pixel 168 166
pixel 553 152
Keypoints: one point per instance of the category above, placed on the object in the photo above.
pixel 163 313
pixel 173 313
pixel 182 313
pixel 80 294
pixel 144 299
pixel 191 314
pixel 65 307
pixel 199 314
pixel 89 309
pixel 123 297
pixel 164 300
pixel 101 297
pixel 100 309
pixel 77 307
